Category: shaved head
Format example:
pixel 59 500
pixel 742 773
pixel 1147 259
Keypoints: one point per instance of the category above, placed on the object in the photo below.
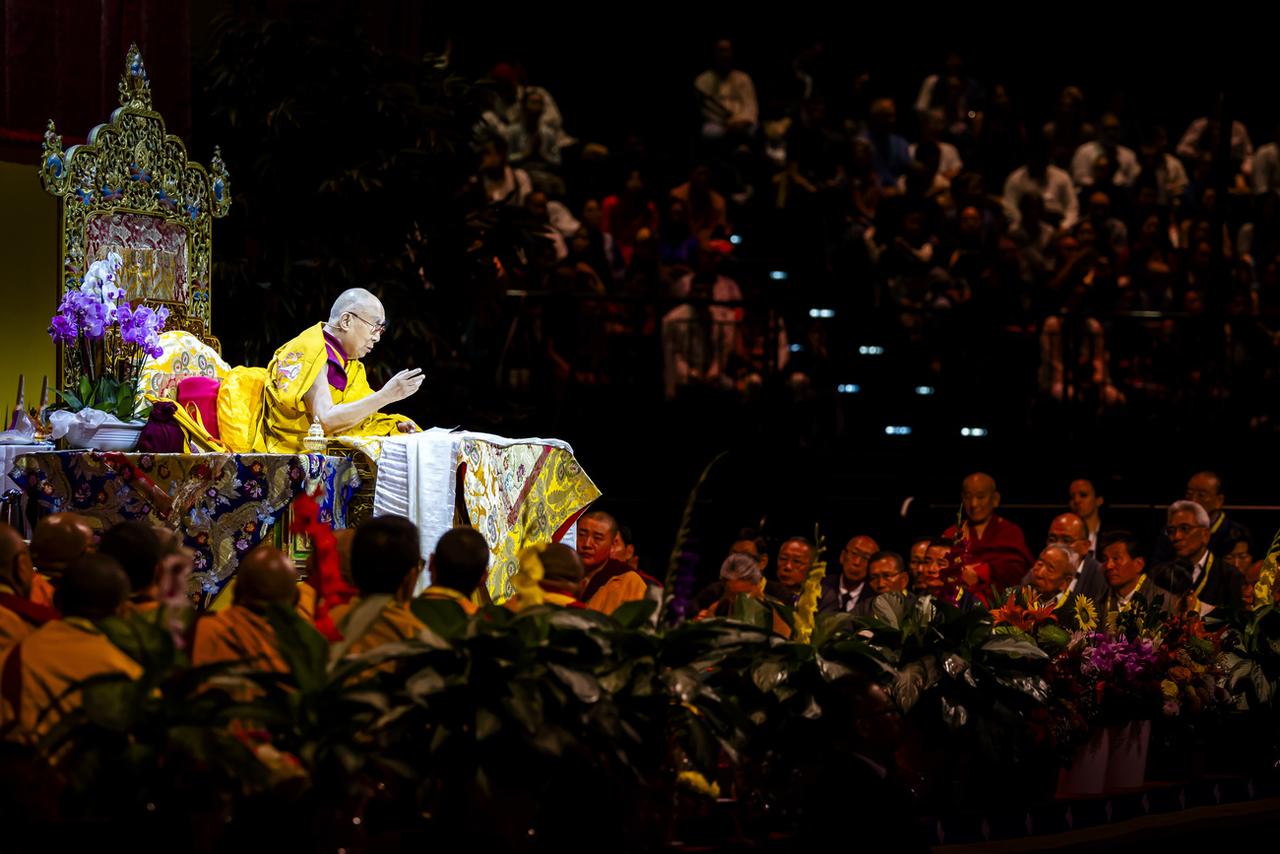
pixel 601 516
pixel 266 577
pixel 15 561
pixel 93 586
pixel 60 538
pixel 979 481
pixel 979 497
pixel 352 299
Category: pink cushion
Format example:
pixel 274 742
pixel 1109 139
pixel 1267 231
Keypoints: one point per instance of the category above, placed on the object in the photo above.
pixel 203 392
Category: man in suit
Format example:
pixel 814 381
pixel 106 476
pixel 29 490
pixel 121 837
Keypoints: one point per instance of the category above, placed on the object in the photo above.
pixel 848 590
pixel 1126 579
pixel 1070 530
pixel 795 559
pixel 1205 489
pixel 1203 582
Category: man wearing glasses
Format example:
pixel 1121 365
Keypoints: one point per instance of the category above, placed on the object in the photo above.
pixel 1070 531
pixel 1203 581
pixel 887 574
pixel 848 591
pixel 318 375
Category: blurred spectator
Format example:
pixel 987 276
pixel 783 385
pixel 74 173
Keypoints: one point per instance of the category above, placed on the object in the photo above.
pixel 707 211
pixel 502 182
pixel 728 96
pixel 1052 184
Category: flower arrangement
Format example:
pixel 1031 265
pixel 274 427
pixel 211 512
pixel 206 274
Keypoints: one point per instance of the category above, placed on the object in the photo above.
pixel 106 339
pixel 1195 676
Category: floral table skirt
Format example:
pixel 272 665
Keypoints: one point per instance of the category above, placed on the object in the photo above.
pixel 224 504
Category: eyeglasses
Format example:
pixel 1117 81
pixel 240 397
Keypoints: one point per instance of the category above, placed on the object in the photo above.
pixel 376 327
pixel 1184 530
pixel 884 576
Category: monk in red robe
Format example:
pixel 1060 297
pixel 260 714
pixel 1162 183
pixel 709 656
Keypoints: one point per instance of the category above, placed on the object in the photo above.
pixel 19 616
pixel 994 551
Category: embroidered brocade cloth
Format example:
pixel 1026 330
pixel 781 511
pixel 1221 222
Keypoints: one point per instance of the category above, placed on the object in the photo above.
pixel 515 492
pixel 224 504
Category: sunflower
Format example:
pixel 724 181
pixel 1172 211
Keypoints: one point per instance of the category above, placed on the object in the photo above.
pixel 1086 614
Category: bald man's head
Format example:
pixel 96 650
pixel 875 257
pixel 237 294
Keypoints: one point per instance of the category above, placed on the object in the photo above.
pixel 979 496
pixel 352 299
pixel 15 561
pixel 60 538
pixel 93 586
pixel 266 577
pixel 357 320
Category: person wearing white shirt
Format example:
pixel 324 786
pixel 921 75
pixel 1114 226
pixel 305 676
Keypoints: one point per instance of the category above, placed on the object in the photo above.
pixel 1199 139
pixel 1122 159
pixel 1266 169
pixel 1050 183
pixel 932 125
pixel 729 102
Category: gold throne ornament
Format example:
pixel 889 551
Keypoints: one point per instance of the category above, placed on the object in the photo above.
pixel 130 189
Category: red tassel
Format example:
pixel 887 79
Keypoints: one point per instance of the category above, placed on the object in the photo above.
pixel 331 588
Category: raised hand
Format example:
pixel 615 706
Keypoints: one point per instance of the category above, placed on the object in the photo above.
pixel 403 384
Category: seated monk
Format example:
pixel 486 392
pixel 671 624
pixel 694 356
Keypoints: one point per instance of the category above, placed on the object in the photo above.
pixel 561 578
pixel 38 673
pixel 242 632
pixel 137 547
pixel 59 538
pixel 19 616
pixel 384 561
pixel 742 576
pixel 319 375
pixel 457 567
pixel 607 582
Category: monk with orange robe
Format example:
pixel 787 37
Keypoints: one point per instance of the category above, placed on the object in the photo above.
pixel 39 673
pixel 457 568
pixel 607 582
pixel 19 616
pixel 385 562
pixel 242 632
pixel 58 539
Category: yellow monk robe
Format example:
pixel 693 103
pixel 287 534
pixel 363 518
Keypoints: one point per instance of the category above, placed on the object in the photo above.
pixel 295 368
pixel 435 591
pixel 37 673
pixel 19 616
pixel 396 623
pixel 237 634
pixel 617 591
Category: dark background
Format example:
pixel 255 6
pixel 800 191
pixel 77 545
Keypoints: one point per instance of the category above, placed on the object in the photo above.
pixel 622 70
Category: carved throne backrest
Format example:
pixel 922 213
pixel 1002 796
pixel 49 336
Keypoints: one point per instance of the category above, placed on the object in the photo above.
pixel 131 189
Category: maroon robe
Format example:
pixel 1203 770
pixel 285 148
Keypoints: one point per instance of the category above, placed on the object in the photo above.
pixel 1000 557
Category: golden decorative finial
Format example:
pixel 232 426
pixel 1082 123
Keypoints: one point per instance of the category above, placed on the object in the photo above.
pixel 135 86
pixel 315 441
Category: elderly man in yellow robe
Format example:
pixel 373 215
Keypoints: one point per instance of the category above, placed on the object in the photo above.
pixel 318 375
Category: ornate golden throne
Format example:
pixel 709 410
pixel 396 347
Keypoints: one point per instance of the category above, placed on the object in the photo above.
pixel 130 188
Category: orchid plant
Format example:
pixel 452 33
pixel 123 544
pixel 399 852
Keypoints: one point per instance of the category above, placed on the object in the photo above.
pixel 107 339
